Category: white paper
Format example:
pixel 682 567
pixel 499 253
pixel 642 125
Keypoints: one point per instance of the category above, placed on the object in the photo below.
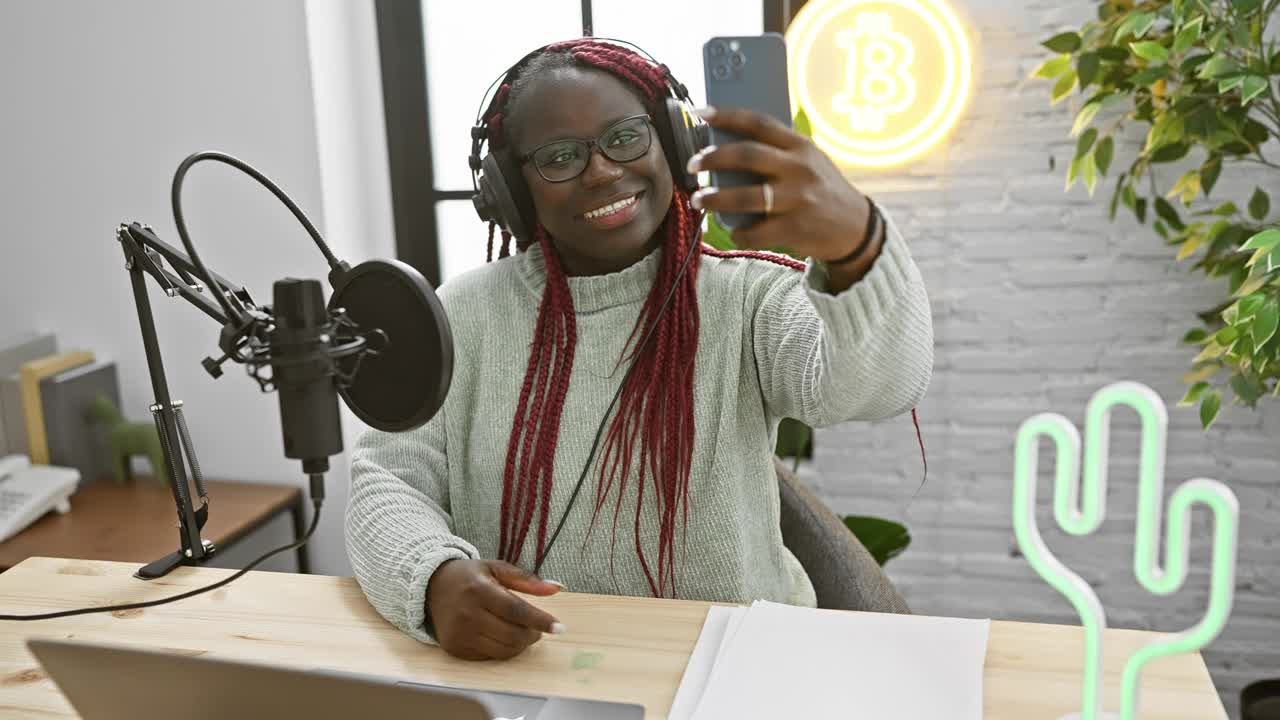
pixel 785 661
pixel 705 653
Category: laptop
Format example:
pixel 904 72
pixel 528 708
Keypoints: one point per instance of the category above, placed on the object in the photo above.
pixel 113 682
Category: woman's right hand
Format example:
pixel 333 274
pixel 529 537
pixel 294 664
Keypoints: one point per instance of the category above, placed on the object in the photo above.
pixel 477 617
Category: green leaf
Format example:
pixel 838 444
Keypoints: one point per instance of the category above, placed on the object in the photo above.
pixel 1073 171
pixel 1193 394
pixel 1066 42
pixel 1229 83
pixel 1053 67
pixel 1201 373
pixel 1209 172
pixel 884 539
pixel 1252 87
pixel 1226 209
pixel 1189 246
pixel 1255 132
pixel 1063 87
pixel 1265 322
pixel 1085 142
pixel 1115 196
pixel 1190 64
pixel 1150 51
pixel 801 123
pixel 1168 128
pixel 1113 53
pixel 1188 35
pixel 1247 389
pixel 1249 306
pixel 1195 336
pixel 1168 214
pixel 1209 406
pixel 1267 239
pixel 1085 116
pixel 1226 336
pixel 1259 204
pixel 1218 40
pixel 1170 153
pixel 716 235
pixel 1244 7
pixel 1102 154
pixel 1087 68
pixel 1217 66
pixel 1089 173
pixel 1148 77
pixel 1137 24
pixel 795 439
pixel 1140 209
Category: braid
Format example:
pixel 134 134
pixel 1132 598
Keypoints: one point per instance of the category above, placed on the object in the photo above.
pixel 653 428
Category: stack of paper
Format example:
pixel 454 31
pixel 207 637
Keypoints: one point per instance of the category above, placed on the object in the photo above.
pixel 772 661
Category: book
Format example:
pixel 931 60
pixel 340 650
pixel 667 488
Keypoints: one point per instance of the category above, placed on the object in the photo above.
pixel 14 351
pixel 75 441
pixel 32 407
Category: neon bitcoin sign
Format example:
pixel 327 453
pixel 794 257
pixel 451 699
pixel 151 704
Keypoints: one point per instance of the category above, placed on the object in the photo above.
pixel 881 81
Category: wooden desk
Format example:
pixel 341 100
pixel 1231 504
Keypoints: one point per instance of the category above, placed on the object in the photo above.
pixel 626 649
pixel 137 522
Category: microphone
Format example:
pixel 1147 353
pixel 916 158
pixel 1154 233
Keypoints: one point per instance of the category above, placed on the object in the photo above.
pixel 304 371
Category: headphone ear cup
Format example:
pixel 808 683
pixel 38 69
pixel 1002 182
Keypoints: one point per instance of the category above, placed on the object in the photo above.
pixel 503 197
pixel 681 140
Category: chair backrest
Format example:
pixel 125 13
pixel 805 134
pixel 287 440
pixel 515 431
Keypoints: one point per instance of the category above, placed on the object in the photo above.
pixel 845 576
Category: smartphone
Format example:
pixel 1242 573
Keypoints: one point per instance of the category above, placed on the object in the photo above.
pixel 745 72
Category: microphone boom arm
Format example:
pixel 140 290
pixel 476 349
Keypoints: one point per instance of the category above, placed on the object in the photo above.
pixel 146 253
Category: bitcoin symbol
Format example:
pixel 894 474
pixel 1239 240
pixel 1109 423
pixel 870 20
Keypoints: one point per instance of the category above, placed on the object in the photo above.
pixel 876 83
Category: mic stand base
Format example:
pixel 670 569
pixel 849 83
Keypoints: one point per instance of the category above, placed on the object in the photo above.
pixel 165 565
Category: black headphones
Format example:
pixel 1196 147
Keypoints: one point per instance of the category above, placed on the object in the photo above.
pixel 501 195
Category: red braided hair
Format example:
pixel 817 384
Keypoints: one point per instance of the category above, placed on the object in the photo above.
pixel 655 409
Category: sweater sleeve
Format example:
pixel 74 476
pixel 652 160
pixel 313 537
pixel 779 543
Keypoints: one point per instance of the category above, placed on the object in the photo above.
pixel 863 354
pixel 398 529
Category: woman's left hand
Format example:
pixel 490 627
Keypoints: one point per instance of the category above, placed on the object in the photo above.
pixel 816 212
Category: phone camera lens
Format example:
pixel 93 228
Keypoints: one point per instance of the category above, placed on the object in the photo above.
pixel 738 59
pixel 720 72
pixel 718 49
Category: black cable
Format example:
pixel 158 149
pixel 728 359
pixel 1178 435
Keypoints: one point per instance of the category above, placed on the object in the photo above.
pixel 176 196
pixel 315 520
pixel 635 358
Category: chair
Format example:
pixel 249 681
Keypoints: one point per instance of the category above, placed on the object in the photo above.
pixel 1261 700
pixel 845 576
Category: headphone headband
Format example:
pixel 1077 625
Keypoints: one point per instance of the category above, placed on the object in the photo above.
pixel 500 192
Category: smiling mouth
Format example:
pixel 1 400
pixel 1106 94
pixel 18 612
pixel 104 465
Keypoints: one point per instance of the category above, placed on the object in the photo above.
pixel 612 209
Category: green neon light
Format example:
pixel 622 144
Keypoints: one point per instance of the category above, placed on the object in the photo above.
pixel 1080 510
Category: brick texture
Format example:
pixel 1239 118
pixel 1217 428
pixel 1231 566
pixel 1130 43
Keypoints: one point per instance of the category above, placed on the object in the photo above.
pixel 1039 300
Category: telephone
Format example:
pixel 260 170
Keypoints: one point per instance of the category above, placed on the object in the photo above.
pixel 29 491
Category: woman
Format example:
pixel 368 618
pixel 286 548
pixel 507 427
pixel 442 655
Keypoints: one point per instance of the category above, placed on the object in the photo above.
pixel 682 499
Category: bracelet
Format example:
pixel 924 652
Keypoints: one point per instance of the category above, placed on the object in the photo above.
pixel 873 222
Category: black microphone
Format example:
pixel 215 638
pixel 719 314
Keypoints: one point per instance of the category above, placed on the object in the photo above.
pixel 303 371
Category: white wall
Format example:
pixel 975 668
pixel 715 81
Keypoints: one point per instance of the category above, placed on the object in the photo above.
pixel 102 101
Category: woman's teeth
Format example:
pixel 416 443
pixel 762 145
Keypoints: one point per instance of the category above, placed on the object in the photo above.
pixel 610 209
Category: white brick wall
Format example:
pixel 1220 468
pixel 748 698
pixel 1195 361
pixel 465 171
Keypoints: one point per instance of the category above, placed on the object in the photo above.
pixel 1039 301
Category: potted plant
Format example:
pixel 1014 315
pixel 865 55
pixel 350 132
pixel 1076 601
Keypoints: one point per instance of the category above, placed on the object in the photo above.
pixel 1197 78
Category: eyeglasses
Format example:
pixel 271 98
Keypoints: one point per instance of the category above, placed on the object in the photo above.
pixel 563 160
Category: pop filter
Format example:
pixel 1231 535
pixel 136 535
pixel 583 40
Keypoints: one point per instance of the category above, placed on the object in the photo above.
pixel 405 383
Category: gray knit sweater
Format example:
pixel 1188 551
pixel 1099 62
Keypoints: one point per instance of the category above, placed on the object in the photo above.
pixel 773 343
